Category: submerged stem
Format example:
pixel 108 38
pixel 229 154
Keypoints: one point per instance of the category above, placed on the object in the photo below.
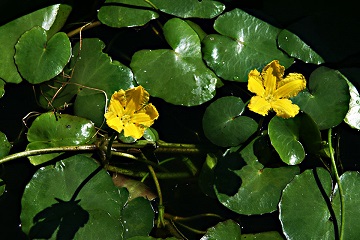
pixel 342 206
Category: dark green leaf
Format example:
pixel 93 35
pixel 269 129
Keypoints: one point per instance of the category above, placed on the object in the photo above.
pixel 50 130
pixel 183 73
pixel 151 134
pixel 296 48
pixel 2 186
pixel 303 209
pixel 10 34
pixel 350 182
pixel 352 117
pixel 126 13
pixel 52 204
pixel 262 236
pixel 91 107
pixel 223 124
pixel 137 218
pixel 61 18
pixel 39 60
pixel 5 146
pixel 327 100
pixel 207 175
pixel 223 230
pixel 291 137
pixel 2 88
pixel 190 8
pixel 246 43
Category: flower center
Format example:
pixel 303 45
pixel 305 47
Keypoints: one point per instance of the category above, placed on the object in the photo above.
pixel 126 119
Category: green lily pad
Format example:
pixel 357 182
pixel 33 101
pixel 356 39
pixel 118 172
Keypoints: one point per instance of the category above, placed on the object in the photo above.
pixel 72 200
pixel 49 130
pixel 328 97
pixel 350 182
pixel 2 88
pixel 291 136
pixel 91 107
pixel 352 117
pixel 183 73
pixel 5 146
pixel 2 186
pixel 262 236
pixel 190 8
pixel 136 222
pixel 246 43
pixel 39 60
pixel 151 238
pixel 223 124
pixel 297 48
pixel 223 230
pixel 10 34
pixel 259 188
pixel 303 210
pixel 126 13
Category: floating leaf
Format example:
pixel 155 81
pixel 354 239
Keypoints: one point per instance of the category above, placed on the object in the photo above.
pixel 126 13
pixel 50 130
pixel 75 199
pixel 288 136
pixel 190 8
pixel 5 146
pixel 352 117
pixel 11 32
pixel 151 238
pixel 183 73
pixel 303 201
pixel 297 48
pixel 260 188
pixel 350 182
pixel 223 124
pixel 327 100
pixel 39 60
pixel 138 218
pixel 2 186
pixel 223 230
pixel 151 134
pixel 262 236
pixel 2 88
pixel 246 43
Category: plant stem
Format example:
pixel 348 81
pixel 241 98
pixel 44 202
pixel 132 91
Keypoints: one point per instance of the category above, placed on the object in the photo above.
pixel 160 221
pixel 82 28
pixel 342 206
pixel 47 150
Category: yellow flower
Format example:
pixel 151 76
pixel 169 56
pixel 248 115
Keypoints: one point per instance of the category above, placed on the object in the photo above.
pixel 130 111
pixel 272 90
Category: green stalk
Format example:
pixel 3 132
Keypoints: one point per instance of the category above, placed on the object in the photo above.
pixel 341 192
pixel 29 153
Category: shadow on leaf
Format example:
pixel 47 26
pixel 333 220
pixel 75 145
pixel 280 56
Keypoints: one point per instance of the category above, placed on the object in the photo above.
pixel 66 216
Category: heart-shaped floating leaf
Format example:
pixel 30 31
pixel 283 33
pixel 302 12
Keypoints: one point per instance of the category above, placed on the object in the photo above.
pixel 327 100
pixel 223 124
pixel 297 48
pixel 5 146
pixel 260 188
pixel 246 43
pixel 138 218
pixel 352 117
pixel 306 200
pixel 262 236
pixel 224 230
pixel 10 34
pixel 126 13
pixel 350 182
pixel 183 73
pixel 75 199
pixel 2 89
pixel 190 8
pixel 50 130
pixel 290 136
pixel 39 60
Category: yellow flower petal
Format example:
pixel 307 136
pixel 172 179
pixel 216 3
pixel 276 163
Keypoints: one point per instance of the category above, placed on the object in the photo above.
pixel 132 130
pixel 259 105
pixel 285 108
pixel 255 83
pixel 290 86
pixel 272 73
pixel 136 98
pixel 119 96
pixel 114 123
